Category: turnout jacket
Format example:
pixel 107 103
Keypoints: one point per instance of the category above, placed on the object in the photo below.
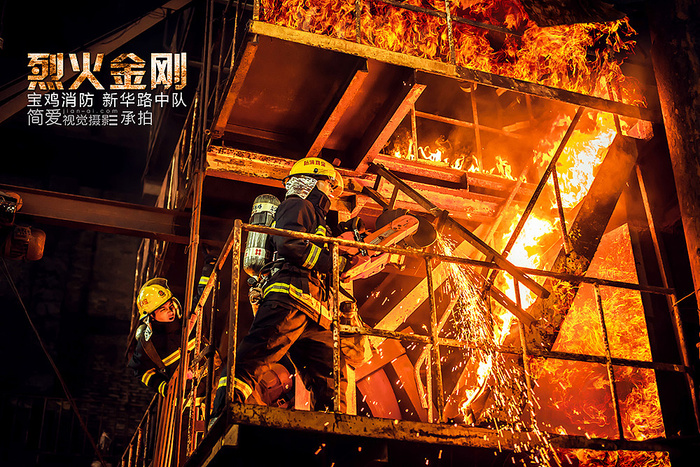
pixel 166 340
pixel 299 274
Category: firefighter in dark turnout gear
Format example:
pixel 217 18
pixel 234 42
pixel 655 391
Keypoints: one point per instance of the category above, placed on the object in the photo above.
pixel 157 350
pixel 293 316
pixel 158 335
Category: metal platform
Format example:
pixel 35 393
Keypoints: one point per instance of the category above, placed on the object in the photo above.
pixel 268 436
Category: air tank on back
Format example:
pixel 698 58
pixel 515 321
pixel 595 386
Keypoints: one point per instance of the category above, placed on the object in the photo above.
pixel 255 256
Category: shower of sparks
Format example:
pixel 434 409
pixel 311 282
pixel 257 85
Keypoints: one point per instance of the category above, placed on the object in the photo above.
pixel 485 329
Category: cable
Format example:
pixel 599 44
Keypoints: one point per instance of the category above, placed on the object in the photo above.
pixel 53 365
pixel 680 300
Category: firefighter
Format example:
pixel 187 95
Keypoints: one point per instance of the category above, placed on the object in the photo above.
pixel 293 316
pixel 157 336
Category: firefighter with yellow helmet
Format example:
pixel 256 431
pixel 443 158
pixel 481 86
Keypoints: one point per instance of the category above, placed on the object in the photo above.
pixel 158 334
pixel 293 316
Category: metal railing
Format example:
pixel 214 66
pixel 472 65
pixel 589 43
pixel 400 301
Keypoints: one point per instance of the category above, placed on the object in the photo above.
pixel 195 414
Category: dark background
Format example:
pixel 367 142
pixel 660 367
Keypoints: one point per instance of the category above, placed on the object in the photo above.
pixel 80 294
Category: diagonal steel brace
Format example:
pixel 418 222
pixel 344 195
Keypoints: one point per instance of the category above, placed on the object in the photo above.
pixel 474 240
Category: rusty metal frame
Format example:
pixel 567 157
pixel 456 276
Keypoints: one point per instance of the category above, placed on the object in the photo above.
pixel 233 87
pixel 608 363
pixel 671 299
pixel 250 414
pixel 447 15
pixel 116 217
pixel 463 231
pixel 267 170
pixel 189 291
pixel 551 168
pixel 138 452
pixel 462 123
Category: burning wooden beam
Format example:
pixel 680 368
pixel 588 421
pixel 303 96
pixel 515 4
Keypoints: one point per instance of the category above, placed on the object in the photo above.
pixel 586 231
pixel 339 105
pixel 387 120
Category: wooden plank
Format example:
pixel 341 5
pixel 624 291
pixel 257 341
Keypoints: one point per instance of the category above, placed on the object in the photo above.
pixel 446 69
pixel 340 105
pixel 386 122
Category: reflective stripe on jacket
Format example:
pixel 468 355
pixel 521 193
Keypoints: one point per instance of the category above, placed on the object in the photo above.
pixel 301 279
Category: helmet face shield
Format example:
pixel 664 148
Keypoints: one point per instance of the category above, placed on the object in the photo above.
pixel 337 185
pixel 300 185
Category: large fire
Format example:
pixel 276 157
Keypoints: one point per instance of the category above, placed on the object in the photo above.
pixel 583 58
pixel 569 57
pixel 578 394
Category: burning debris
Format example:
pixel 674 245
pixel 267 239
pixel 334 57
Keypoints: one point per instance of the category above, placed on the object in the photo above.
pixel 507 42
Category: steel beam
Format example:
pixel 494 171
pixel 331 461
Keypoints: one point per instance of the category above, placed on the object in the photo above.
pixel 114 216
pixel 386 121
pixel 663 317
pixel 339 105
pixel 266 170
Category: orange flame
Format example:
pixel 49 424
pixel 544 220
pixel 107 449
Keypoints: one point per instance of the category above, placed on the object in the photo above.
pixel 573 57
pixel 580 58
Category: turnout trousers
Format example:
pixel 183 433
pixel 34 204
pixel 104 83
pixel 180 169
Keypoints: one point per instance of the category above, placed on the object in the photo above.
pixel 284 328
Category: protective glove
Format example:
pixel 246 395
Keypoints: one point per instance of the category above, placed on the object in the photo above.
pixel 354 261
pixel 351 225
pixel 254 297
pixel 356 348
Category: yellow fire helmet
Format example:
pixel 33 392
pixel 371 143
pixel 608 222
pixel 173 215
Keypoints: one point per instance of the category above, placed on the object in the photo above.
pixel 316 167
pixel 153 295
